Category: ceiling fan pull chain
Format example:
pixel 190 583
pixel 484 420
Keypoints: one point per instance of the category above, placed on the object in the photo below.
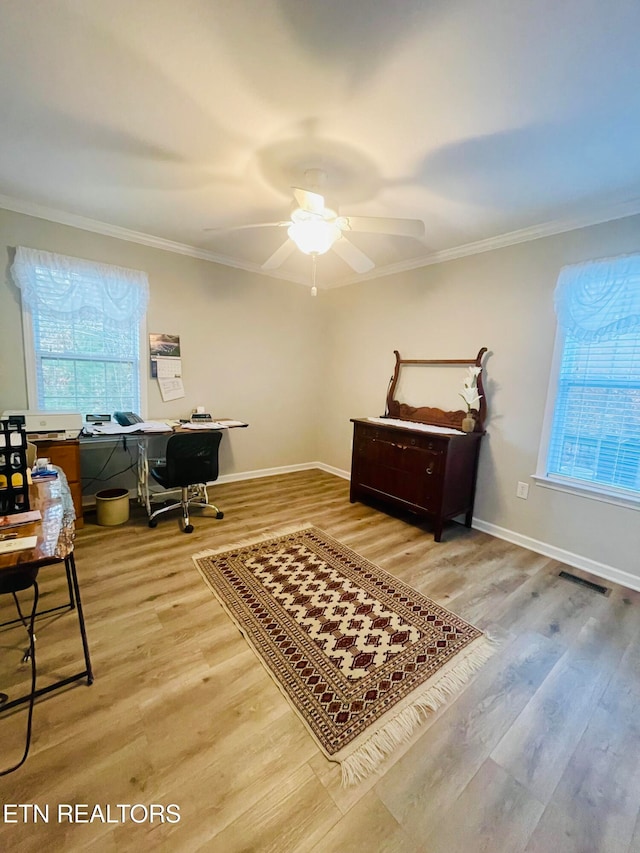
pixel 314 289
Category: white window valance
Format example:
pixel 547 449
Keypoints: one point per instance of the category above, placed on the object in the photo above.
pixel 65 285
pixel 599 300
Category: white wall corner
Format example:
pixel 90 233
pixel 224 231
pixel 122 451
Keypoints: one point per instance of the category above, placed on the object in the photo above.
pixel 329 469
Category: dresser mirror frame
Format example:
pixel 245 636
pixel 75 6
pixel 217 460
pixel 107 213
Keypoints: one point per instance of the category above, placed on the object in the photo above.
pixel 432 415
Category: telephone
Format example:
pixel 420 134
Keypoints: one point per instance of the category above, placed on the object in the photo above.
pixel 127 418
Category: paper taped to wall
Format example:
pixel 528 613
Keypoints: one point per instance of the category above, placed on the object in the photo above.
pixel 171 388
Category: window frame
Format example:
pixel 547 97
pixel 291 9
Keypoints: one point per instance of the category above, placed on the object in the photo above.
pixel 570 485
pixel 31 362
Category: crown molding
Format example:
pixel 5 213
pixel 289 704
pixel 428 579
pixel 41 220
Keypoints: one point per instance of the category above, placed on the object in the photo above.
pixel 597 216
pixel 61 217
pixel 524 235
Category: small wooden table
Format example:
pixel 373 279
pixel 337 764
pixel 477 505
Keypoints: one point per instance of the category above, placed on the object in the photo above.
pixel 55 533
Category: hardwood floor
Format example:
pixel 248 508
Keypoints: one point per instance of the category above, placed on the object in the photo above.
pixel 539 753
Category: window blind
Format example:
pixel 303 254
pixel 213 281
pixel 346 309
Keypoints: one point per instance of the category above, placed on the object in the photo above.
pixel 86 363
pixel 595 435
pixel 85 323
pixel 595 432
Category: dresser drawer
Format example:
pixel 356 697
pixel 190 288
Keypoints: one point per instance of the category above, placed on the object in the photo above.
pixel 403 455
pixel 425 472
pixel 429 441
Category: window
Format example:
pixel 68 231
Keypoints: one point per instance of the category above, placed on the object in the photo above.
pixel 593 415
pixel 83 335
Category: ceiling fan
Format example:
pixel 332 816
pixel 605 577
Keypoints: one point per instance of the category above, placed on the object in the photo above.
pixel 315 228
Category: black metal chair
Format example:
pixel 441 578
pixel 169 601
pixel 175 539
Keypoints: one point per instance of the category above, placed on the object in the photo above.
pixel 13 581
pixel 191 463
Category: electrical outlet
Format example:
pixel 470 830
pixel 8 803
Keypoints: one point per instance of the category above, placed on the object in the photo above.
pixel 522 491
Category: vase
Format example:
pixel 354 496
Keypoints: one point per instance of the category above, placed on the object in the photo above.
pixel 468 422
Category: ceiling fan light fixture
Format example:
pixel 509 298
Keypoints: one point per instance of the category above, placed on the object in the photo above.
pixel 315 228
pixel 314 236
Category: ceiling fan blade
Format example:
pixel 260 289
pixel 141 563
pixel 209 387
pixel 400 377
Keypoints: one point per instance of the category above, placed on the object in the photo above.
pixel 253 225
pixel 386 225
pixel 352 255
pixel 310 201
pixel 279 256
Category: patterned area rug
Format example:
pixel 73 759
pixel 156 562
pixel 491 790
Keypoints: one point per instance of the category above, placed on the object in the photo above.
pixel 360 656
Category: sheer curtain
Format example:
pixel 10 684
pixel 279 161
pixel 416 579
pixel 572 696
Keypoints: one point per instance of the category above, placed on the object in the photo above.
pixel 599 300
pixel 83 324
pixel 62 285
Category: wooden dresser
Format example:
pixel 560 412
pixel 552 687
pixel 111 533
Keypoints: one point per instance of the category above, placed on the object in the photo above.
pixel 66 454
pixel 430 473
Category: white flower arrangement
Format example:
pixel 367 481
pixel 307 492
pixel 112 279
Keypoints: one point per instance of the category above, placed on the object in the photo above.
pixel 469 391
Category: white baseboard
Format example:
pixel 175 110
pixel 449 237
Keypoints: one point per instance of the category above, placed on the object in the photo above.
pixel 601 570
pixel 284 469
pixel 90 500
pixel 265 472
pixel 329 469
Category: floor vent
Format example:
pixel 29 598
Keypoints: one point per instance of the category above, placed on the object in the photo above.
pixel 603 590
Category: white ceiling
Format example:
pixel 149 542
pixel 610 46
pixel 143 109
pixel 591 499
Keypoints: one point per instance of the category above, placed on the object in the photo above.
pixel 165 117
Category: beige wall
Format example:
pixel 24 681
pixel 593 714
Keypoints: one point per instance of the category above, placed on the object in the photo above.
pixel 250 344
pixel 503 300
pixel 297 368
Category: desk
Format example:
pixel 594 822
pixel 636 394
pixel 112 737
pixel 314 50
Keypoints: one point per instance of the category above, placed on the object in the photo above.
pixel 140 464
pixel 55 532
pixel 141 440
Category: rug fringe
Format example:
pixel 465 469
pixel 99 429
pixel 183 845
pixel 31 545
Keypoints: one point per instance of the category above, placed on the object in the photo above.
pixel 370 754
pixel 254 539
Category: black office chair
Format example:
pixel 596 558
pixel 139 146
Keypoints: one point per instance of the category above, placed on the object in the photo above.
pixel 191 463
pixel 14 581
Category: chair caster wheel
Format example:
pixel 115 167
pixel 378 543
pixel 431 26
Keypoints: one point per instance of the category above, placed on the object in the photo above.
pixel 219 514
pixel 153 522
pixel 188 528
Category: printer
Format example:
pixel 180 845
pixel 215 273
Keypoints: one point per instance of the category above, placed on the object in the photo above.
pixel 55 426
